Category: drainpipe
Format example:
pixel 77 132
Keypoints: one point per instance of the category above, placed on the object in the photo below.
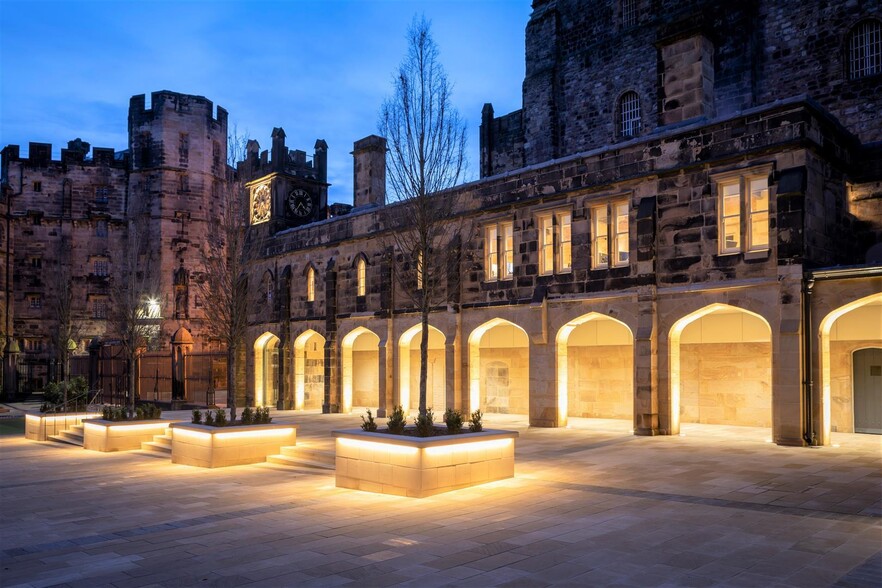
pixel 808 435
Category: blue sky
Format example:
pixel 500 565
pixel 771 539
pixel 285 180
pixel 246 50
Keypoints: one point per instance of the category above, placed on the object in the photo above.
pixel 320 69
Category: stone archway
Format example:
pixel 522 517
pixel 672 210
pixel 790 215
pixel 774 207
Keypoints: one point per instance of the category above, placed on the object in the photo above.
pixel 266 370
pixel 409 370
pixel 595 368
pixel 309 371
pixel 499 368
pixel 360 369
pixel 844 331
pixel 721 368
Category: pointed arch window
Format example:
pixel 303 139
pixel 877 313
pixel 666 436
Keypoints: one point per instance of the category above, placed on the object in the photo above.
pixel 361 276
pixel 310 284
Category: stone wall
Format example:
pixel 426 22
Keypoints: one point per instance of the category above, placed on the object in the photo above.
pixel 601 381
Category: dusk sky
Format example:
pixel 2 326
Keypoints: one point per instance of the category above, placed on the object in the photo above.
pixel 319 69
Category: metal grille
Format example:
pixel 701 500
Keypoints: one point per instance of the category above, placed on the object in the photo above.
pixel 629 115
pixel 865 50
pixel 629 13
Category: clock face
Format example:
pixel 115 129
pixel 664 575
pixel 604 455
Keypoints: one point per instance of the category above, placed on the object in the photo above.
pixel 261 201
pixel 300 202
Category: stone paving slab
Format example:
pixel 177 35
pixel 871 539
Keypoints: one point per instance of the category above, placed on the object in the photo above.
pixel 589 505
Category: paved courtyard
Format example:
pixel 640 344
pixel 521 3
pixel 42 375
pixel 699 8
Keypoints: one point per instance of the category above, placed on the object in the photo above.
pixel 591 505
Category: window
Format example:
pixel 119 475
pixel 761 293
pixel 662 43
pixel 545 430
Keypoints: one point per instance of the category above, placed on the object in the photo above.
pixel 629 13
pixel 361 272
pixel 555 243
pixel 268 287
pixel 629 115
pixel 743 211
pixel 101 228
pixel 865 50
pixel 610 239
pixel 36 262
pixel 99 308
pixel 499 251
pixel 183 149
pixel 38 186
pixel 35 301
pixel 310 284
pixel 419 270
pixel 33 345
pixel 100 267
pixel 102 194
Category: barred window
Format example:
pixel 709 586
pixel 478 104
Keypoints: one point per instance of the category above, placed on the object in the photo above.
pixel 865 50
pixel 100 267
pixel 102 194
pixel 629 13
pixel 629 115
pixel 99 308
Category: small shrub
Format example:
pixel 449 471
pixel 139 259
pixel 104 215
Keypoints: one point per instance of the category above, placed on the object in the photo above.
pixel 121 414
pixel 106 412
pixel 453 420
pixel 156 412
pixel 197 417
pixel 139 413
pixel 247 416
pixel 396 421
pixel 266 419
pixel 425 425
pixel 220 417
pixel 475 425
pixel 368 424
pixel 209 418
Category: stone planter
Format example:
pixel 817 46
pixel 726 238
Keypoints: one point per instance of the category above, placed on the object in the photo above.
pixel 422 466
pixel 101 435
pixel 215 447
pixel 39 426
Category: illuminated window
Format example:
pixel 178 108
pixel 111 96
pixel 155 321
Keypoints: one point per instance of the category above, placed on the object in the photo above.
pixel 610 238
pixel 499 251
pixel 420 271
pixel 310 284
pixel 555 243
pixel 629 115
pixel 743 205
pixel 361 271
pixel 865 50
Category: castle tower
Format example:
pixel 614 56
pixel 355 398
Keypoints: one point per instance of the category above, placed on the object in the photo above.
pixel 178 152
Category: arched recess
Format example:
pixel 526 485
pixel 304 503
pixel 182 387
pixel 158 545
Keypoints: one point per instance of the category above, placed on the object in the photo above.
pixel 266 370
pixel 409 370
pixel 595 368
pixel 309 370
pixel 721 368
pixel 499 368
pixel 849 328
pixel 361 369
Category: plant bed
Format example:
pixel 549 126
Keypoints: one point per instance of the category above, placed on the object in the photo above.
pixel 105 435
pixel 40 426
pixel 213 447
pixel 409 465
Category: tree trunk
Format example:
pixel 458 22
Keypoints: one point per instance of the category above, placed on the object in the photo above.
pixel 231 381
pixel 132 363
pixel 424 355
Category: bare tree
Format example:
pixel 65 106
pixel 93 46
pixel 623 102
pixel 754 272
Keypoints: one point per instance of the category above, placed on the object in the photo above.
pixel 67 326
pixel 427 141
pixel 135 300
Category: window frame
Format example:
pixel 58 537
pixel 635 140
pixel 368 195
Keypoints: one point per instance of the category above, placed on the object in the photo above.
pixel 310 284
pixel 608 232
pixel 497 253
pixel 748 214
pixel 870 58
pixel 361 277
pixel 634 123
pixel 558 254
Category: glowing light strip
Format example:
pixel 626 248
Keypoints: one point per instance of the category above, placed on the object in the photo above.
pixel 53 417
pixel 474 445
pixel 129 426
pixel 374 446
pixel 263 433
pixel 190 433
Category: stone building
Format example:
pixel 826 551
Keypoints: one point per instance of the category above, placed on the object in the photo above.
pixel 681 224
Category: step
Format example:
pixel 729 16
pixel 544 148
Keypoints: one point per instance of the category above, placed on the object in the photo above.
pixel 68 437
pixel 310 453
pixel 163 440
pixel 156 448
pixel 299 462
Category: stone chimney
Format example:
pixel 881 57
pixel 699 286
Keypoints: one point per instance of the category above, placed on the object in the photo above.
pixel 279 151
pixel 370 171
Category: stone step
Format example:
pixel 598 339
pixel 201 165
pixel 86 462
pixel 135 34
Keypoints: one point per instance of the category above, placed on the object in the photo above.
pixel 156 448
pixel 163 440
pixel 308 452
pixel 69 437
pixel 299 462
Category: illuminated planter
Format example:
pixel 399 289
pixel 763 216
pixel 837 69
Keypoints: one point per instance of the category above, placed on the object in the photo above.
pixel 215 447
pixel 101 435
pixel 422 466
pixel 39 427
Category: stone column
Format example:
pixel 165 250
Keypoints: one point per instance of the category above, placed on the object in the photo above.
pixel 646 351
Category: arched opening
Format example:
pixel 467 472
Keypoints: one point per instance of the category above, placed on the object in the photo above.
pixel 309 371
pixel 499 368
pixel 595 368
pixel 266 370
pixel 851 379
pixel 361 369
pixel 409 370
pixel 721 368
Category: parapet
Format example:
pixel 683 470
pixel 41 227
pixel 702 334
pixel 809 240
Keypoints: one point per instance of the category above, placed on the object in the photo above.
pixel 175 101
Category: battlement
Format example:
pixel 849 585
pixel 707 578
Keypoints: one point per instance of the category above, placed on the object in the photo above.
pixel 76 153
pixel 167 101
pixel 295 162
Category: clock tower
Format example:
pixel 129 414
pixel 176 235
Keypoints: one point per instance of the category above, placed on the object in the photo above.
pixel 288 190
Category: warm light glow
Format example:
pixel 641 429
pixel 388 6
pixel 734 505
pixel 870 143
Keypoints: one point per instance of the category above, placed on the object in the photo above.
pixel 190 433
pixel 263 348
pixel 410 341
pixel 52 417
pixel 375 446
pixel 475 358
pixel 348 367
pixel 152 308
pixel 470 446
pixel 255 433
pixel 124 425
pixel 300 347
